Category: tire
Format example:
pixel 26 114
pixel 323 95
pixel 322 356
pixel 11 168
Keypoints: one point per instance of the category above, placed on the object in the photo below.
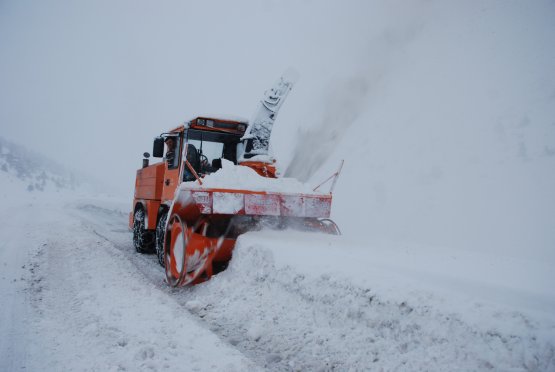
pixel 160 232
pixel 142 238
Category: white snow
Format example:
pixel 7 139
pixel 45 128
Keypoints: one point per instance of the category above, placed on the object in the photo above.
pixel 238 177
pixel 229 203
pixel 322 303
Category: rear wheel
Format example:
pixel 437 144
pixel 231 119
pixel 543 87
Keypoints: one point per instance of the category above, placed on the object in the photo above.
pixel 142 238
pixel 160 232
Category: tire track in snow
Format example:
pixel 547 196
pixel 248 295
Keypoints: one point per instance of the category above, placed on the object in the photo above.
pixel 95 311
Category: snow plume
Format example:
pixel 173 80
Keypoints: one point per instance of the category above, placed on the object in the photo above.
pixel 348 97
pixel 454 150
pixel 315 144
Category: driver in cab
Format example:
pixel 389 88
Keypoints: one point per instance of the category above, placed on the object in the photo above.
pixel 170 152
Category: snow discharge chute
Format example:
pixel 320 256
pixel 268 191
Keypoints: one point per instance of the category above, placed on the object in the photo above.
pixel 256 140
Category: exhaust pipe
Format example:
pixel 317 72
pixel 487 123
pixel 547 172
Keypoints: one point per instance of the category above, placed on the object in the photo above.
pixel 145 160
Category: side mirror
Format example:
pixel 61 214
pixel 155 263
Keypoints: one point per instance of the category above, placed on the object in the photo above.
pixel 158 147
pixel 146 155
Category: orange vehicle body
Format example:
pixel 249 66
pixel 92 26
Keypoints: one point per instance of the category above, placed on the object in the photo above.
pixel 194 228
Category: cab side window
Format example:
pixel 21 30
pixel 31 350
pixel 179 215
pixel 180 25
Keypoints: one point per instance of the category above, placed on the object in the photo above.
pixel 172 151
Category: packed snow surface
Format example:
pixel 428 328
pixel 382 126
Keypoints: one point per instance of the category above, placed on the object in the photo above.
pixel 238 177
pixel 73 299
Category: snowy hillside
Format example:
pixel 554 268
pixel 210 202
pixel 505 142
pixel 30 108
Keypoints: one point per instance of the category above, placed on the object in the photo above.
pixel 33 170
pixel 25 172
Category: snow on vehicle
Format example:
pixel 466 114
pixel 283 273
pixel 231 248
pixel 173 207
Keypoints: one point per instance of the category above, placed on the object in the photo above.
pixel 217 183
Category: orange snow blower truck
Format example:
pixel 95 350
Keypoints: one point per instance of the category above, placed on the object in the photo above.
pixel 193 228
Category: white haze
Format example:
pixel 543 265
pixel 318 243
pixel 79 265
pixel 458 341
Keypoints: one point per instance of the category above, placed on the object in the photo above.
pixel 443 111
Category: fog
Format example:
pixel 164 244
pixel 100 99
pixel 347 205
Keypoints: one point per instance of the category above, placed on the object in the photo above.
pixel 443 112
pixel 92 84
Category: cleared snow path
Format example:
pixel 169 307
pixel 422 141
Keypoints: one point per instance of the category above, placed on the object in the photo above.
pixel 78 303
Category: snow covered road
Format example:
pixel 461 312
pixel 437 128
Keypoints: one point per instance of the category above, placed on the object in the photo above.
pixel 76 296
pixel 15 309
pixel 73 301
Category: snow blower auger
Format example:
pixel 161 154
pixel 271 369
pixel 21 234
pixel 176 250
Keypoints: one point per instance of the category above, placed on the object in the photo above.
pixel 218 181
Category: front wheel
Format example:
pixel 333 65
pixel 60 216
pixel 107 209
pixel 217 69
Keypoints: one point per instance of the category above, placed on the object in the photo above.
pixel 160 231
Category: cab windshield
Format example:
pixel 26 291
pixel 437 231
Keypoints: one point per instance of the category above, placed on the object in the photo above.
pixel 205 150
pixel 208 151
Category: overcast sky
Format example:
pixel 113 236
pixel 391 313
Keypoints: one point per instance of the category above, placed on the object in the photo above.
pixel 91 83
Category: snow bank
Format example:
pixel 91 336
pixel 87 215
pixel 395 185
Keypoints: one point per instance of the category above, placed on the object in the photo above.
pixel 299 301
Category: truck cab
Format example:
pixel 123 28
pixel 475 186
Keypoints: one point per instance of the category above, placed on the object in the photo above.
pixel 199 147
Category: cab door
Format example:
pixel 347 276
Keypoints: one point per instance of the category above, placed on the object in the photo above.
pixel 172 171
